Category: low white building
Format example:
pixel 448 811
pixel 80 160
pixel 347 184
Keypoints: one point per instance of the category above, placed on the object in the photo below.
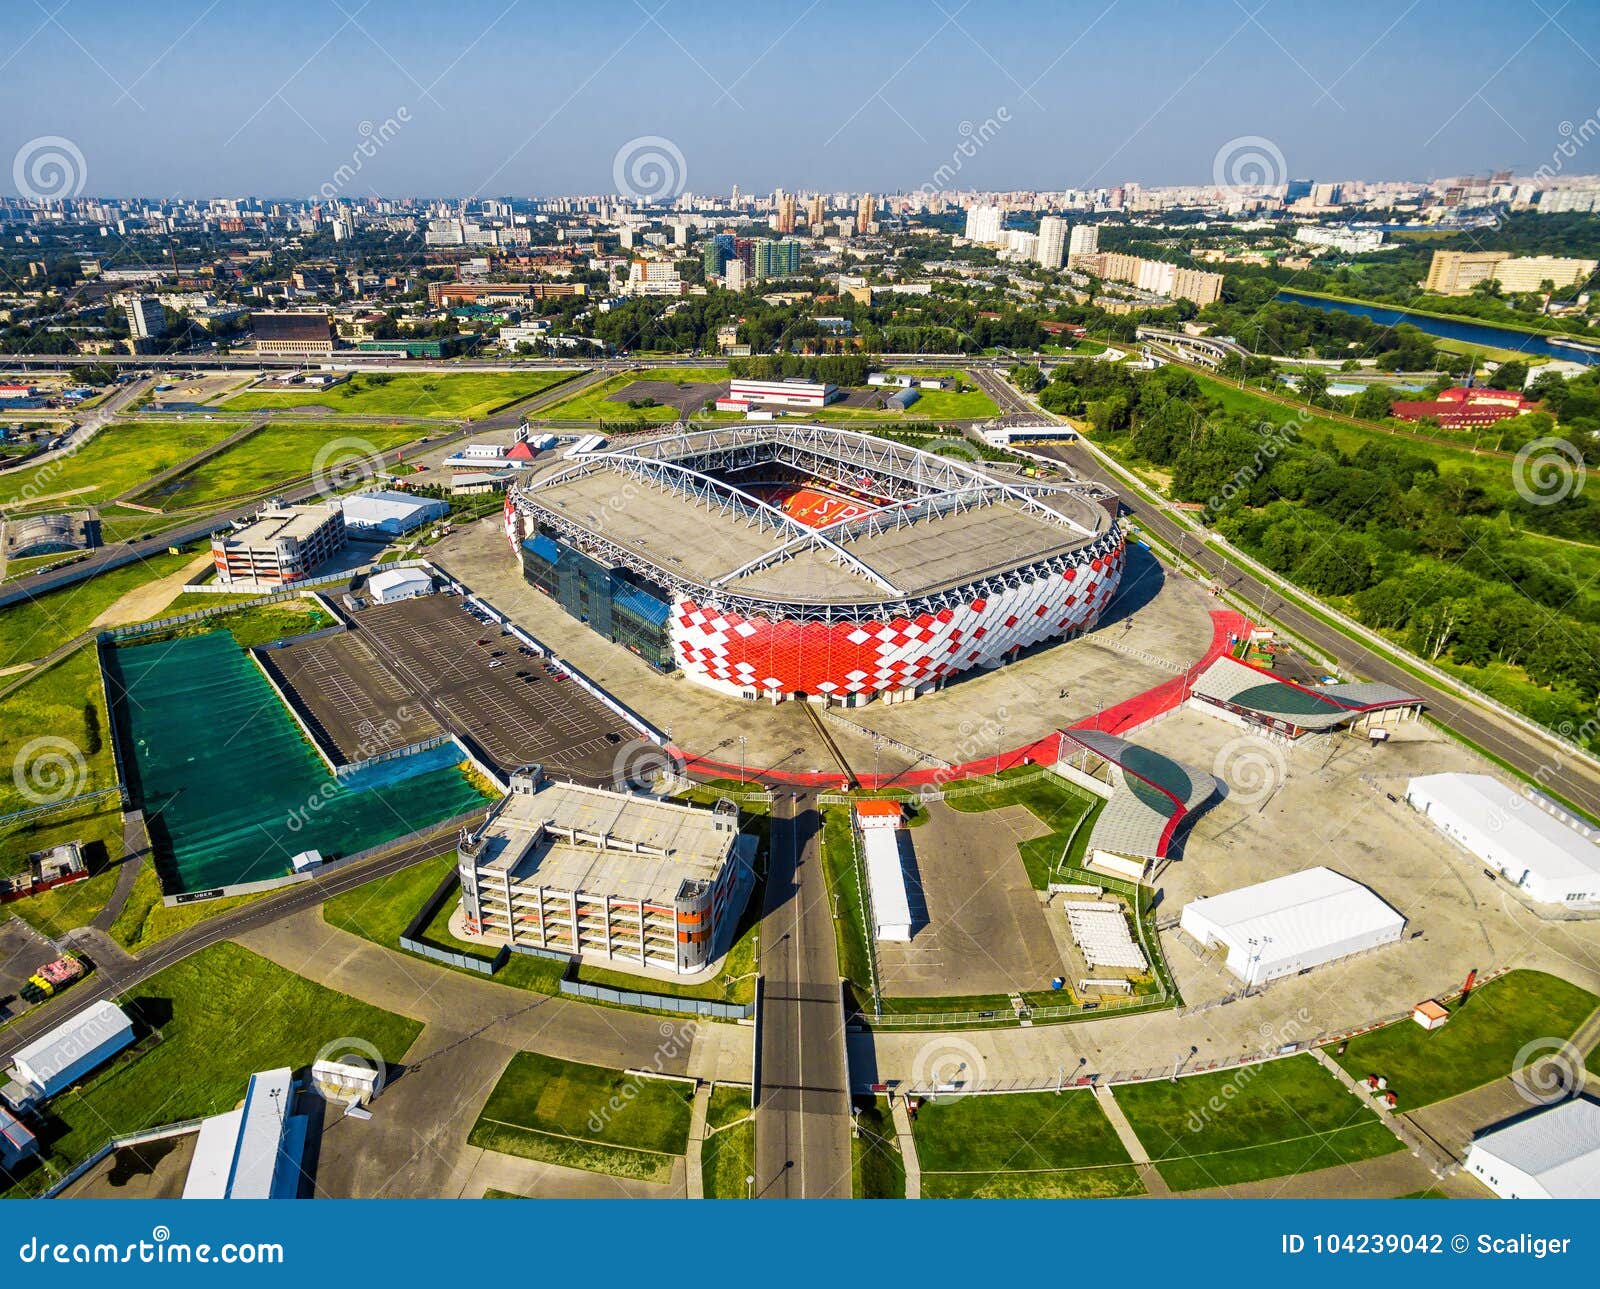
pixel 398 584
pixel 389 514
pixel 1291 924
pixel 1552 1153
pixel 879 826
pixel 792 391
pixel 255 1151
pixel 1536 845
pixel 72 1049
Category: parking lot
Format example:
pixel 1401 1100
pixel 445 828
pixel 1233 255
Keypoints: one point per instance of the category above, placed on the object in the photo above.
pixel 481 682
pixel 352 701
pixel 22 952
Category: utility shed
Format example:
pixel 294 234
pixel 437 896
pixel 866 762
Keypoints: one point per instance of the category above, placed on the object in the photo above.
pixel 1292 923
pixel 1533 842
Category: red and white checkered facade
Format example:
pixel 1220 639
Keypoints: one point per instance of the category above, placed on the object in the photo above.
pixel 786 657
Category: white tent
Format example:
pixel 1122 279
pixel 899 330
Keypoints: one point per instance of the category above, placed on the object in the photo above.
pixel 398 584
pixel 1531 840
pixel 1551 1154
pixel 1292 923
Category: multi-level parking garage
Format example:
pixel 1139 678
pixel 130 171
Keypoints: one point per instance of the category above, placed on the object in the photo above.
pixel 800 561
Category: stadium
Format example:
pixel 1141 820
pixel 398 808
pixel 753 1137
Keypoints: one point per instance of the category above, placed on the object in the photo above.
pixel 810 562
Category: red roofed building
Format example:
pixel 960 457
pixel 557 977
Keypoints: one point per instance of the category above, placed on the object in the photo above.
pixel 1464 407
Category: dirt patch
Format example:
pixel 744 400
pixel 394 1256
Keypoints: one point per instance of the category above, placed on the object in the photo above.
pixel 148 600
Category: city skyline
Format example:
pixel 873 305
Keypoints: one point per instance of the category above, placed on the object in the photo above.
pixel 1026 96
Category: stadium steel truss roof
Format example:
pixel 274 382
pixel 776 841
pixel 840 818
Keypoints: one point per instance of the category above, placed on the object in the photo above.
pixel 1151 794
pixel 937 531
pixel 1233 684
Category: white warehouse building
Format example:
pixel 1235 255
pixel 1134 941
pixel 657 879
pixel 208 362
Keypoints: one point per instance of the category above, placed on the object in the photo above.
pixel 1292 924
pixel 399 584
pixel 1552 1153
pixel 389 514
pixel 1535 844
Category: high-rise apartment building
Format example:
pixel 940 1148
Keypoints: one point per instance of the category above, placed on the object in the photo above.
pixel 785 213
pixel 865 209
pixel 146 318
pixel 983 224
pixel 1085 240
pixel 816 214
pixel 1052 248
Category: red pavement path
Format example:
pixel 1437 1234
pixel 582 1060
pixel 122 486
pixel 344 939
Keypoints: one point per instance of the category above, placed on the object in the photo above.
pixel 1125 716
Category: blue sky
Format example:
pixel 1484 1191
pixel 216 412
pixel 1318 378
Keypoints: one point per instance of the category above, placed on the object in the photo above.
pixel 195 98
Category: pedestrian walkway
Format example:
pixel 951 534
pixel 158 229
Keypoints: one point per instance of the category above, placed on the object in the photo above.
pixel 1430 1152
pixel 697 1142
pixel 1154 1183
pixel 908 1147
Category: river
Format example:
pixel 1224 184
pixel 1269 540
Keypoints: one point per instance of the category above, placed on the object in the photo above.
pixel 1471 333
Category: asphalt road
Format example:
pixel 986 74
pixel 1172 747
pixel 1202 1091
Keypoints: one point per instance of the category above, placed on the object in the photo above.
pixel 803 1114
pixel 1541 759
pixel 112 979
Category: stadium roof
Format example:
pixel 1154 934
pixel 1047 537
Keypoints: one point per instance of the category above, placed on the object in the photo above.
pixel 676 510
pixel 1152 794
pixel 1559 1147
pixel 1237 684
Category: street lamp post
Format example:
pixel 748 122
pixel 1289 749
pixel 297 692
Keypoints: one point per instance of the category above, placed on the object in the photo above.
pixel 749 1185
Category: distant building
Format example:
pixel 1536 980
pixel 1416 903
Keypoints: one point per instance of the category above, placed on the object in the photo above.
pixel 1052 246
pixel 1463 407
pixel 299 331
pixel 1085 240
pixel 281 546
pixel 776 259
pixel 1550 1153
pixel 448 294
pixel 794 392
pixel 983 224
pixel 631 880
pixel 865 209
pixel 55 1062
pixel 147 320
pixel 56 533
pixel 1458 272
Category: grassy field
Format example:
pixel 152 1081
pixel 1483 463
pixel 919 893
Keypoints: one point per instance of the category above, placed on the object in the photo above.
pixel 33 628
pixel 1270 1120
pixel 844 885
pixel 970 403
pixel 282 452
pixel 248 627
pixel 114 460
pixel 144 919
pixel 560 1112
pixel 98 829
pixel 1478 1044
pixel 876 1169
pixel 465 394
pixel 727 1156
pixel 55 736
pixel 595 404
pixel 208 1023
pixel 1027 1145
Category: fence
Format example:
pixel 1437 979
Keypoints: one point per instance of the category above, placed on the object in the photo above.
pixel 412 942
pixel 296 592
pixel 119 1143
pixel 657 1002
pixel 58 807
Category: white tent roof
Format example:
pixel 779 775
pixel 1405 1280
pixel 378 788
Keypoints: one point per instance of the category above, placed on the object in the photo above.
pixel 1558 1147
pixel 1297 913
pixel 885 876
pixel 91 1029
pixel 369 509
pixel 1525 825
pixel 386 581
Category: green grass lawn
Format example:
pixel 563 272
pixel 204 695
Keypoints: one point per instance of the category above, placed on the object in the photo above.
pixel 98 829
pixel 844 888
pixel 1026 1145
pixel 248 627
pixel 727 1155
pixel 32 628
pixel 1269 1120
pixel 876 1169
pixel 464 394
pixel 1478 1044
pixel 118 457
pixel 221 1015
pixel 560 1112
pixel 283 451
pixel 55 736
pixel 144 919
pixel 595 403
pixel 969 403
